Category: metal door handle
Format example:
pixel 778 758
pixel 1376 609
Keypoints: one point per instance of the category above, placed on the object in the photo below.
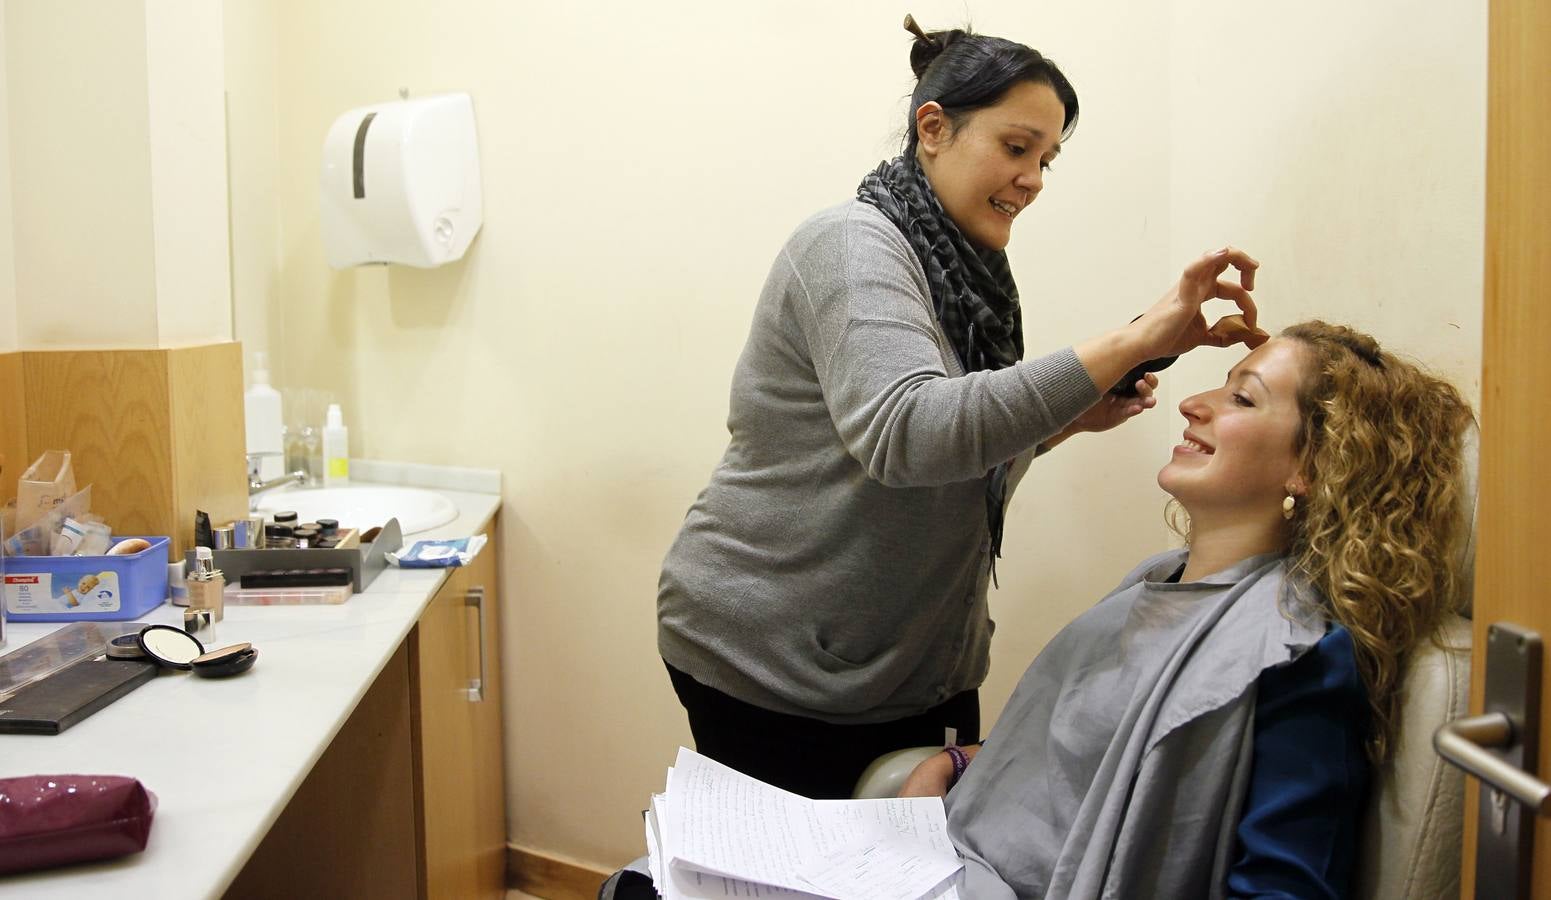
pixel 1464 743
pixel 1502 748
pixel 476 598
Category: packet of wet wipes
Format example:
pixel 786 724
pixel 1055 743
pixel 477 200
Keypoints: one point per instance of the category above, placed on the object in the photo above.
pixel 438 554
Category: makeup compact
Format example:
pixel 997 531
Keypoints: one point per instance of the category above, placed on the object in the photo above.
pixel 172 647
pixel 177 649
pixel 125 646
pixel 225 662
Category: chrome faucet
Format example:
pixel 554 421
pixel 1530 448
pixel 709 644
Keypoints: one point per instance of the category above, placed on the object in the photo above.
pixel 257 485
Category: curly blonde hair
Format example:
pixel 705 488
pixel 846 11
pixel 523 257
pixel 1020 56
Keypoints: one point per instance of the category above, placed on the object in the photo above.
pixel 1381 531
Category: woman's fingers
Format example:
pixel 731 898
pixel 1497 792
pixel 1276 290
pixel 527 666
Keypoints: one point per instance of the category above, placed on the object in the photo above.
pixel 1246 264
pixel 1231 330
pixel 1176 325
pixel 1144 394
pixel 1227 290
pixel 1201 283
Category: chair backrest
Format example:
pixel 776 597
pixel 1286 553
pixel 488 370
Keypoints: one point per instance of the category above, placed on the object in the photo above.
pixel 1414 825
pixel 1414 829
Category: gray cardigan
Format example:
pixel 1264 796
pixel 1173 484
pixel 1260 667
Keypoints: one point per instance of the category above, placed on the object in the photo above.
pixel 836 564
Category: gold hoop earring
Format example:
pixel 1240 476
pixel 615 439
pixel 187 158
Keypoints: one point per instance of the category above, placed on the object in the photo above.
pixel 1288 505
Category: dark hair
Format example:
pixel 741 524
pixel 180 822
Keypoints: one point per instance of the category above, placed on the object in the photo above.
pixel 965 72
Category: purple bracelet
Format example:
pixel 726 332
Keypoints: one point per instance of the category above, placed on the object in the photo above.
pixel 960 763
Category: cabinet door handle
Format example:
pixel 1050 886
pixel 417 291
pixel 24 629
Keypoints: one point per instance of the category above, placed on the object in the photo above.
pixel 476 598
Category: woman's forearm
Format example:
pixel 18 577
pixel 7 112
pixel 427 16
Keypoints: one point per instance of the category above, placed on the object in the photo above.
pixel 1109 356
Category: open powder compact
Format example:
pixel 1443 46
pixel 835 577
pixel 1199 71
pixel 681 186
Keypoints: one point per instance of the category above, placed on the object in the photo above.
pixel 172 647
pixel 225 662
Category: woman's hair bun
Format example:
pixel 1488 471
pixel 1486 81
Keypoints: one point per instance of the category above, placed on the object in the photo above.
pixel 927 45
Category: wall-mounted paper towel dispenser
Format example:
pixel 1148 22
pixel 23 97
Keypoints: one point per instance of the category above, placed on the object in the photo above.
pixel 401 183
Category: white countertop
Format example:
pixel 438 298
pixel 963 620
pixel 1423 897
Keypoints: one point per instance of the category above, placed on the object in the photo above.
pixel 224 756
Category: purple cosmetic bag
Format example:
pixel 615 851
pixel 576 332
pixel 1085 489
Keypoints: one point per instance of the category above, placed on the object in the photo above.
pixel 57 820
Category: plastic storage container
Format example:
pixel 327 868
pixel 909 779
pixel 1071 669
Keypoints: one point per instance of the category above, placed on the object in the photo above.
pixel 86 588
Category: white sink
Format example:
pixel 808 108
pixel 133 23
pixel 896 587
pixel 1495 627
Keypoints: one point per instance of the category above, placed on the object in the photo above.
pixel 363 506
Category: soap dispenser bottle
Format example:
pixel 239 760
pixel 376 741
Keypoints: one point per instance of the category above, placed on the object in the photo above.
pixel 264 424
pixel 336 448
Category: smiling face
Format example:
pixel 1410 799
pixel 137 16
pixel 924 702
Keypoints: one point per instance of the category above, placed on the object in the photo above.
pixel 991 166
pixel 1237 459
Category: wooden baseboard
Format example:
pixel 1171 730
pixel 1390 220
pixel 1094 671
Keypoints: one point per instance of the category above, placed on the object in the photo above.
pixel 550 877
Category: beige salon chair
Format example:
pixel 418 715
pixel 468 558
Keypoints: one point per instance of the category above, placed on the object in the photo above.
pixel 1413 835
pixel 1414 825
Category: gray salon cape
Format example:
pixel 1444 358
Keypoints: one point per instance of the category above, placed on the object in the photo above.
pixel 1119 767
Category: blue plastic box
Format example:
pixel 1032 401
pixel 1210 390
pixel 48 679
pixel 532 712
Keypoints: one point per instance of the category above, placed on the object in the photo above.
pixel 86 588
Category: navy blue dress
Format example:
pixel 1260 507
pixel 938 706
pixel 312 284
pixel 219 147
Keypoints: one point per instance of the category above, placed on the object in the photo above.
pixel 1309 782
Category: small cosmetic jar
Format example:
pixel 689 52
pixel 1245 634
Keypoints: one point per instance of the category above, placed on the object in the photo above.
pixel 125 646
pixel 279 536
pixel 177 583
pixel 199 620
pixel 249 533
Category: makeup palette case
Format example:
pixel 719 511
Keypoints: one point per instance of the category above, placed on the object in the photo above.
pixel 50 705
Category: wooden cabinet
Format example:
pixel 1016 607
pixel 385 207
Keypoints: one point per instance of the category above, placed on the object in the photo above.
pixel 349 830
pixel 409 800
pixel 455 673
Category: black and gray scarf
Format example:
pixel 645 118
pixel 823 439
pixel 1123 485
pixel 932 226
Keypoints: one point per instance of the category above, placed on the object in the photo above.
pixel 972 288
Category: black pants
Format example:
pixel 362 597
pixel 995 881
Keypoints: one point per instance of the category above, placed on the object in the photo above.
pixel 806 756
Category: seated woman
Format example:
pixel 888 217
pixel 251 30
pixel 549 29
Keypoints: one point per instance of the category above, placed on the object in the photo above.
pixel 1208 728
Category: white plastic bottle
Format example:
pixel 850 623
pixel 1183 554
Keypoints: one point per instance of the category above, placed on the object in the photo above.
pixel 336 448
pixel 265 425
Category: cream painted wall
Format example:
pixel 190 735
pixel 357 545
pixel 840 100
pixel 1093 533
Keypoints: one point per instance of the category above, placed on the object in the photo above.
pixel 642 166
pixel 80 162
pixel 117 172
pixel 8 338
pixel 185 73
pixel 1353 162
pixel 252 63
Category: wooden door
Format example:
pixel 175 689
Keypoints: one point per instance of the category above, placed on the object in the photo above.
pixel 1512 582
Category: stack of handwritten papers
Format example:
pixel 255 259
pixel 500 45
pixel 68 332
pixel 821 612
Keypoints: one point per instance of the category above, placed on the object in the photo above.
pixel 716 832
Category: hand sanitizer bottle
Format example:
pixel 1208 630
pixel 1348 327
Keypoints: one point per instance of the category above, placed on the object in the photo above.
pixel 336 448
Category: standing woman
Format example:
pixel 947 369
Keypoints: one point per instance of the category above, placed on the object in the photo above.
pixel 825 600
